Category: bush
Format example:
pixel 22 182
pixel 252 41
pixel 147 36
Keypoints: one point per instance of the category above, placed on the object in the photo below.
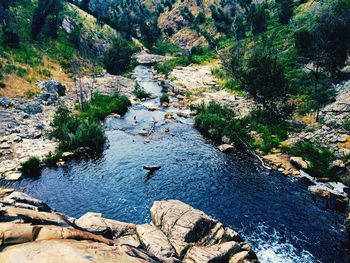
pixel 140 92
pixel 52 159
pixel 164 98
pixel 11 39
pixel 84 130
pixel 164 48
pixel 31 167
pixel 218 121
pixel 75 132
pixel 118 56
pixel 319 158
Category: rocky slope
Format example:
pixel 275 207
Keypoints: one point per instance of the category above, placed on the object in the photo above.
pixel 32 232
pixel 185 23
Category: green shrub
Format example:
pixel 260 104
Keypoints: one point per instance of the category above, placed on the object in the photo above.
pixel 140 92
pixel 75 132
pixel 52 159
pixel 164 98
pixel 219 121
pixel 319 158
pixel 31 167
pixel 83 131
pixel 100 106
pixel 346 125
pixel 118 56
pixel 2 85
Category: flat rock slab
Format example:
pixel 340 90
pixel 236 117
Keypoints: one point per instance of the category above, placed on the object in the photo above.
pixel 71 251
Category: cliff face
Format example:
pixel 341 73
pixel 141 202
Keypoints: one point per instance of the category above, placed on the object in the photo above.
pixel 32 232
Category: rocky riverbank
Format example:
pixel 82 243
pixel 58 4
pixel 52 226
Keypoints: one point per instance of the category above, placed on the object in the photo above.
pixel 33 232
pixel 25 122
pixel 196 84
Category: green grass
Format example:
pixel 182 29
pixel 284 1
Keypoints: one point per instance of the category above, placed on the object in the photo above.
pixel 199 56
pixel 163 47
pixel 101 106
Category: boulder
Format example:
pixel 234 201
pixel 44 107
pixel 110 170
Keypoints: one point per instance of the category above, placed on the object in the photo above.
pixel 216 253
pixel 17 199
pixel 298 162
pixel 184 226
pixel 5 102
pixel 9 213
pixel 155 241
pixel 52 86
pixel 95 223
pixel 226 147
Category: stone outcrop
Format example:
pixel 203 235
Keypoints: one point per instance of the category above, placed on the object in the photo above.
pixel 32 232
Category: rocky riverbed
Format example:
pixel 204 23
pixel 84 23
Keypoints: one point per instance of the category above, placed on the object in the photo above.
pixel 33 232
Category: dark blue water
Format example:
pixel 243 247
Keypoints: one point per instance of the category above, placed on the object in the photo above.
pixel 274 213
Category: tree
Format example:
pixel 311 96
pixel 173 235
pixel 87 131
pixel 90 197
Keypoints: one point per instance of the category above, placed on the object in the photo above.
pixel 45 9
pixel 324 48
pixel 259 19
pixel 118 56
pixel 286 11
pixel 262 76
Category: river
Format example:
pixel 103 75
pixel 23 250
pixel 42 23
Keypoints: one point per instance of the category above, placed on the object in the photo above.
pixel 274 213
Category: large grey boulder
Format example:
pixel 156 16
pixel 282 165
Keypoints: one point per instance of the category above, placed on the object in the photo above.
pixel 155 241
pixel 185 226
pixel 95 223
pixel 52 86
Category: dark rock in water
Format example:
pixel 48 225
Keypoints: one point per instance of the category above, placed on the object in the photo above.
pixel 152 168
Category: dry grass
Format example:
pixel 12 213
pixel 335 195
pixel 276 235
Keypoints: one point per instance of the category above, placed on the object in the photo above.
pixel 309 119
pixel 345 144
pixel 26 87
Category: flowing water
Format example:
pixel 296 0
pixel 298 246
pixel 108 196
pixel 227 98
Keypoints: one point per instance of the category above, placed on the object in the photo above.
pixel 274 213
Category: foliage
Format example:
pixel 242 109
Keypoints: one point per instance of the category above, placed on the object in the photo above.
pixel 164 98
pixel 52 159
pixel 319 158
pixel 31 167
pixel 259 19
pixel 163 48
pixel 118 56
pixel 140 92
pixel 84 130
pixel 74 132
pixel 219 121
pixel 46 12
pixel 263 77
pixel 100 106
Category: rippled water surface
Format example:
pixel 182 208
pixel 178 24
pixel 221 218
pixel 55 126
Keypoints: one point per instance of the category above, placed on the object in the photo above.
pixel 275 214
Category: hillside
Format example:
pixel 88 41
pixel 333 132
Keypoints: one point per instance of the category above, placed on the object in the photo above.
pixel 24 62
